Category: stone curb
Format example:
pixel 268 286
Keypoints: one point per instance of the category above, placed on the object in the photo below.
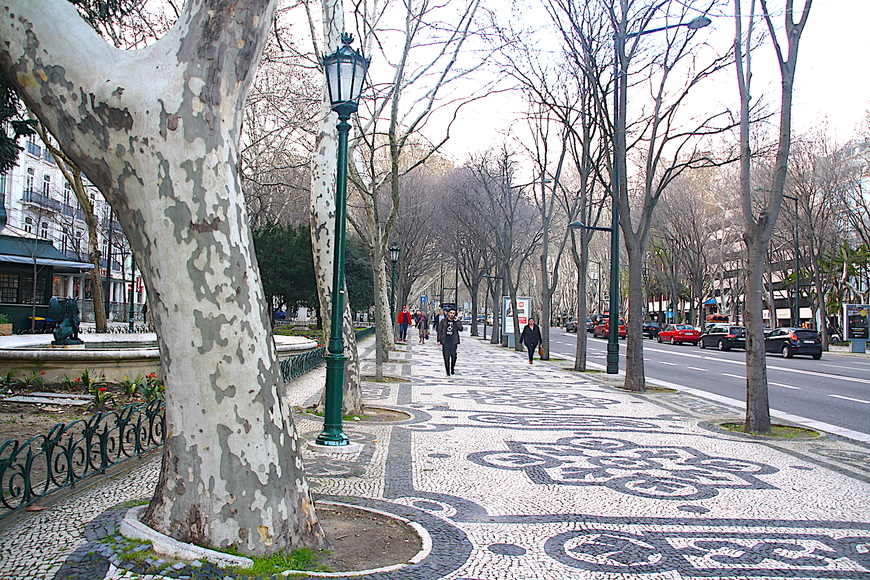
pixel 133 528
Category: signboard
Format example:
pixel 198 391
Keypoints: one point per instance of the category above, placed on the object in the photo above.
pixel 423 299
pixel 855 321
pixel 524 309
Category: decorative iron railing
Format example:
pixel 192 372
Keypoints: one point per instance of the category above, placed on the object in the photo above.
pixel 69 453
pixel 300 364
pixel 44 464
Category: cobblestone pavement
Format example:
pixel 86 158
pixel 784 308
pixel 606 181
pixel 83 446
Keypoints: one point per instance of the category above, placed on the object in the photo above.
pixel 522 471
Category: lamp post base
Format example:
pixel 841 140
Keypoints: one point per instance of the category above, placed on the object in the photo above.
pixel 345 449
pixel 612 359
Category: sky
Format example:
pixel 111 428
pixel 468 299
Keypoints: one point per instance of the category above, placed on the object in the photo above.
pixel 832 82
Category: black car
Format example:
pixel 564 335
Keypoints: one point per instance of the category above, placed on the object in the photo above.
pixel 571 326
pixel 723 337
pixel 651 329
pixel 792 341
pixel 589 325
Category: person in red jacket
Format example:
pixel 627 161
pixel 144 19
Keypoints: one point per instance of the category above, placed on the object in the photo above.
pixel 404 319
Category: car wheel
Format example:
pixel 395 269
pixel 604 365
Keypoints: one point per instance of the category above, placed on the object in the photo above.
pixel 817 356
pixel 674 340
pixel 659 339
pixel 786 353
pixel 722 346
pixel 701 344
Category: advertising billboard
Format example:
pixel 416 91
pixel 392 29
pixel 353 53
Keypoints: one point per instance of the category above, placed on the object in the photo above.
pixel 855 321
pixel 524 310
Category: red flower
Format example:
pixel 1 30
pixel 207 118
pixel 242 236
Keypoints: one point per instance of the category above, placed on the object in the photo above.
pixel 78 379
pixel 102 389
pixel 42 373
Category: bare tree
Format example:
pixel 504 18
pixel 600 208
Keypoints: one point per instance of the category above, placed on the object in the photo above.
pixel 759 225
pixel 424 73
pixel 663 145
pixel 73 176
pixel 505 210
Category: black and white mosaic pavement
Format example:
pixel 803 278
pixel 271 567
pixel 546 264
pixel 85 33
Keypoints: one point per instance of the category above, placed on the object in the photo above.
pixel 530 472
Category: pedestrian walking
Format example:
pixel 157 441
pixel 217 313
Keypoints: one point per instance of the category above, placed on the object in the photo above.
pixel 422 323
pixel 403 319
pixel 448 338
pixel 531 337
pixel 439 316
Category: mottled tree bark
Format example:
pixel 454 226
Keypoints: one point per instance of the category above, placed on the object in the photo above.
pixel 323 181
pixel 156 130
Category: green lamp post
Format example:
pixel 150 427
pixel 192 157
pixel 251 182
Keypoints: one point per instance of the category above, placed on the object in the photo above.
pixel 394 259
pixel 345 72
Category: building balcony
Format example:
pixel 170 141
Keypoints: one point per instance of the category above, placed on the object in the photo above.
pixel 34 149
pixel 41 200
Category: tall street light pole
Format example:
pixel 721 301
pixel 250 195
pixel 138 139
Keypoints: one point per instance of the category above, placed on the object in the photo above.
pixel 394 259
pixel 620 84
pixel 796 313
pixel 613 320
pixel 345 73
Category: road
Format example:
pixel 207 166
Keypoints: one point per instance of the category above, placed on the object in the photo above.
pixel 834 390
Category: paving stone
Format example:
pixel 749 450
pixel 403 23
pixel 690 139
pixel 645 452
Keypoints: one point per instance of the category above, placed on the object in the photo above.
pixel 520 471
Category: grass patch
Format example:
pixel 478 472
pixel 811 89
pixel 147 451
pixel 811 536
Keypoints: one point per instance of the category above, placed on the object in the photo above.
pixel 267 566
pixel 386 379
pixel 649 389
pixel 571 369
pixel 776 431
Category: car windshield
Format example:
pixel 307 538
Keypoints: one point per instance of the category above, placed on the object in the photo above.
pixel 684 327
pixel 737 330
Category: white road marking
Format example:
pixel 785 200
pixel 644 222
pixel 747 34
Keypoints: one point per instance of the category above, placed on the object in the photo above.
pixel 742 362
pixel 784 386
pixel 670 364
pixel 850 399
pixel 699 369
pixel 733 376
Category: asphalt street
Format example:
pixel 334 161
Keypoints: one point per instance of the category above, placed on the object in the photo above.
pixel 834 390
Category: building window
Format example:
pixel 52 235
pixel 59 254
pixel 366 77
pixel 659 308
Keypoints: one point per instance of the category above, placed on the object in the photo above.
pixel 67 192
pixel 27 289
pixel 28 225
pixel 46 184
pixel 9 288
pixel 31 177
pixel 43 230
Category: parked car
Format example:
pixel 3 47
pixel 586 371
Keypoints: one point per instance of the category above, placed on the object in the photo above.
pixel 651 329
pixel 723 337
pixel 675 333
pixel 571 326
pixel 589 325
pixel 792 341
pixel 602 329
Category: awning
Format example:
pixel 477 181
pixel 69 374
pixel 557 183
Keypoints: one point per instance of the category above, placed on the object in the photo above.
pixel 710 301
pixel 47 262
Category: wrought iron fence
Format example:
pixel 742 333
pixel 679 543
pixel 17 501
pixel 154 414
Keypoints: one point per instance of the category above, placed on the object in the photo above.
pixel 47 463
pixel 69 453
pixel 300 364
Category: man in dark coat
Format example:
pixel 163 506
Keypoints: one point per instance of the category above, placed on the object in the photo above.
pixel 448 337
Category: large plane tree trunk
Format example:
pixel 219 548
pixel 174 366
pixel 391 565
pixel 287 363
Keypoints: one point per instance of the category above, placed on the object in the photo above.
pixel 156 130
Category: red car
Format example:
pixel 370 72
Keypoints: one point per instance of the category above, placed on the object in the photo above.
pixel 602 329
pixel 675 333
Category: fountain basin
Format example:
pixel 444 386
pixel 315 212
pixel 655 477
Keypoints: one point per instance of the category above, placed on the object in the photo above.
pixel 115 356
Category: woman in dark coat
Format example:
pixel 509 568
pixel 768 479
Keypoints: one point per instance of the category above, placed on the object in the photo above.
pixel 531 337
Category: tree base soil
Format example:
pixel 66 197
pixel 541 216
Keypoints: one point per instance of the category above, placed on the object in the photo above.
pixel 363 540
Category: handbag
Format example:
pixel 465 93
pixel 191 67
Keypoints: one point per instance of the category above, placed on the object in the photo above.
pixel 540 350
